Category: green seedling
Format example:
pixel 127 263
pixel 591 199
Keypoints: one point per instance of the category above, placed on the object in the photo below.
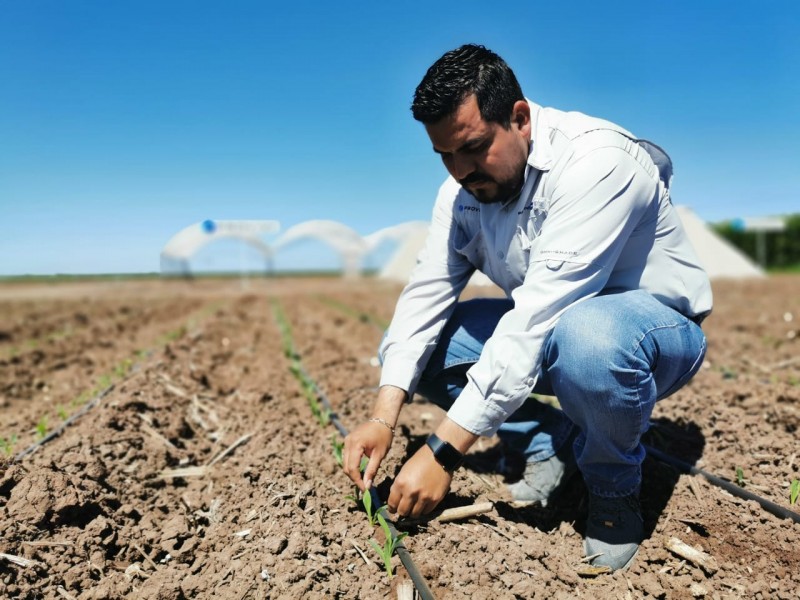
pixel 80 399
pixel 740 477
pixel 8 444
pixel 41 427
pixel 61 412
pixel 372 514
pixel 324 417
pixel 104 382
pixel 355 496
pixel 389 546
pixel 123 368
pixel 794 491
pixel 338 448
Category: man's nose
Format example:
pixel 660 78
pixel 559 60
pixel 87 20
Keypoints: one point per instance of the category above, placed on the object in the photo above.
pixel 461 167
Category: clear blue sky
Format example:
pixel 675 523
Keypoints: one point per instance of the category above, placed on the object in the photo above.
pixel 123 122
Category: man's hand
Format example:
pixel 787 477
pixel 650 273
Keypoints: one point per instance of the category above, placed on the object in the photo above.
pixel 373 438
pixel 368 439
pixel 421 484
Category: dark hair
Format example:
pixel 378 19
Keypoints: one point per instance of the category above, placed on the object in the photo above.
pixel 470 69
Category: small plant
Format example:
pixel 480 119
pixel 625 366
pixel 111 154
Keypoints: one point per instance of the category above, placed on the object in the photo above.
pixel 104 381
pixel 740 481
pixel 373 515
pixel 338 448
pixel 41 427
pixel 123 368
pixel 61 412
pixel 324 417
pixel 389 546
pixel 8 444
pixel 82 398
pixel 794 491
pixel 354 496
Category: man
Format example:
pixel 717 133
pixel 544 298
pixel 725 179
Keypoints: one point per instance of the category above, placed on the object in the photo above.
pixel 571 217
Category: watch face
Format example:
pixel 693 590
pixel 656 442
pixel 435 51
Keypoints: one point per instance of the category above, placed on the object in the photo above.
pixel 444 453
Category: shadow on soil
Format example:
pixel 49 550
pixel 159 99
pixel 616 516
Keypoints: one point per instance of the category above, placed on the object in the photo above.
pixel 680 439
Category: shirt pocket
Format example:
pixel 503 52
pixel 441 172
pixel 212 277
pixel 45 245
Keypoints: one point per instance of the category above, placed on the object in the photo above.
pixel 519 256
pixel 472 249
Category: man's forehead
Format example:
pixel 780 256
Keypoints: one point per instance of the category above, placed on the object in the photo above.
pixel 463 127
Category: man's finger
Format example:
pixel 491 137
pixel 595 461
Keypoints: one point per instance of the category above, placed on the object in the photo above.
pixel 352 458
pixel 372 468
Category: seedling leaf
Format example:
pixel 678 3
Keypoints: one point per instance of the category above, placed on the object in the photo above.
pixel 794 492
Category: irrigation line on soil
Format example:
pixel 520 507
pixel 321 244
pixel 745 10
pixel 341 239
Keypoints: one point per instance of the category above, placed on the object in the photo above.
pixel 402 552
pixel 405 556
pixel 728 486
pixel 60 429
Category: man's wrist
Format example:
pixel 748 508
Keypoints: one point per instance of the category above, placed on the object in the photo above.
pixel 455 435
pixel 388 405
pixel 444 453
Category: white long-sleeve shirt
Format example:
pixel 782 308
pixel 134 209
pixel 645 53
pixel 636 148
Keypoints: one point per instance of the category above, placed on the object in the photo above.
pixel 594 215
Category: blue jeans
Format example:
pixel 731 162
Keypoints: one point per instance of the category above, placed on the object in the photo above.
pixel 607 360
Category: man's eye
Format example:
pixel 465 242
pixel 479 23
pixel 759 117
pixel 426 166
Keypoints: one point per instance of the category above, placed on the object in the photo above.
pixel 476 149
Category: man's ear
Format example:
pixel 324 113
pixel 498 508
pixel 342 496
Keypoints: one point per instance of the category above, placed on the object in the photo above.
pixel 521 117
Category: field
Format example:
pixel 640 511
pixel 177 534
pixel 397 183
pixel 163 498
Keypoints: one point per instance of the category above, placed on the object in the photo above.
pixel 191 465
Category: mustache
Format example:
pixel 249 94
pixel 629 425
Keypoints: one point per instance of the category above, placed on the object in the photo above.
pixel 475 178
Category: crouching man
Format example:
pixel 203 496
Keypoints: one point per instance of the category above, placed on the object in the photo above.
pixel 571 216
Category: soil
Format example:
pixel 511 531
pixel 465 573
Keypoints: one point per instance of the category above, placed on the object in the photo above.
pixel 200 472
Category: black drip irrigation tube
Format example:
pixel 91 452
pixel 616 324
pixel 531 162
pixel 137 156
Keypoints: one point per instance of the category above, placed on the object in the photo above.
pixel 402 552
pixel 74 417
pixel 405 556
pixel 728 486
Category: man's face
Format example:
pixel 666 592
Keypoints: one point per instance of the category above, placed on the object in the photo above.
pixel 486 159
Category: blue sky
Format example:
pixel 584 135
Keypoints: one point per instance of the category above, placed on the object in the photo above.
pixel 123 122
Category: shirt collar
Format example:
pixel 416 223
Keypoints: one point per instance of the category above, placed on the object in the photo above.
pixel 541 153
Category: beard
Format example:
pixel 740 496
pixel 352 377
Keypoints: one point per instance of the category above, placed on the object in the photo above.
pixel 489 190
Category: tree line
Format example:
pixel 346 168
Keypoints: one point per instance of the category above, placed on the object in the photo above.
pixel 778 249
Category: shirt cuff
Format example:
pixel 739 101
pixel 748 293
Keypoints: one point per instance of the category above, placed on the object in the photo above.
pixel 477 414
pixel 401 374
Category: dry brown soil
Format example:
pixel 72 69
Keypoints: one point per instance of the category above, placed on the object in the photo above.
pixel 199 381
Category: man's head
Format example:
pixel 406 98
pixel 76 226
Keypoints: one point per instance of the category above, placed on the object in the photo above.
pixel 478 121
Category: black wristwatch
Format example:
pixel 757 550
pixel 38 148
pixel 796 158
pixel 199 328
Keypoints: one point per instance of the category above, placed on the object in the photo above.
pixel 444 453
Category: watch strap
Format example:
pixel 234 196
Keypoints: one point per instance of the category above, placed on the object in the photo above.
pixel 444 453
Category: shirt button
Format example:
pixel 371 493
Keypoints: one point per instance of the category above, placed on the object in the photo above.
pixel 500 254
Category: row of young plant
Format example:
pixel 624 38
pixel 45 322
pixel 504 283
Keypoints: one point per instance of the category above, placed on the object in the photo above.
pixel 376 515
pixel 362 316
pixel 63 413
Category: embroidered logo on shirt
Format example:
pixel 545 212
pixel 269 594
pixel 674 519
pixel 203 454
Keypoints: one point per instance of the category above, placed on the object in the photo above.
pixel 462 208
pixel 560 252
pixel 528 206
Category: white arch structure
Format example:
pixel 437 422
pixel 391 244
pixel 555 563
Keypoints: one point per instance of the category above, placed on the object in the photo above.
pixel 351 246
pixel 182 246
pixel 396 233
pixel 344 240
